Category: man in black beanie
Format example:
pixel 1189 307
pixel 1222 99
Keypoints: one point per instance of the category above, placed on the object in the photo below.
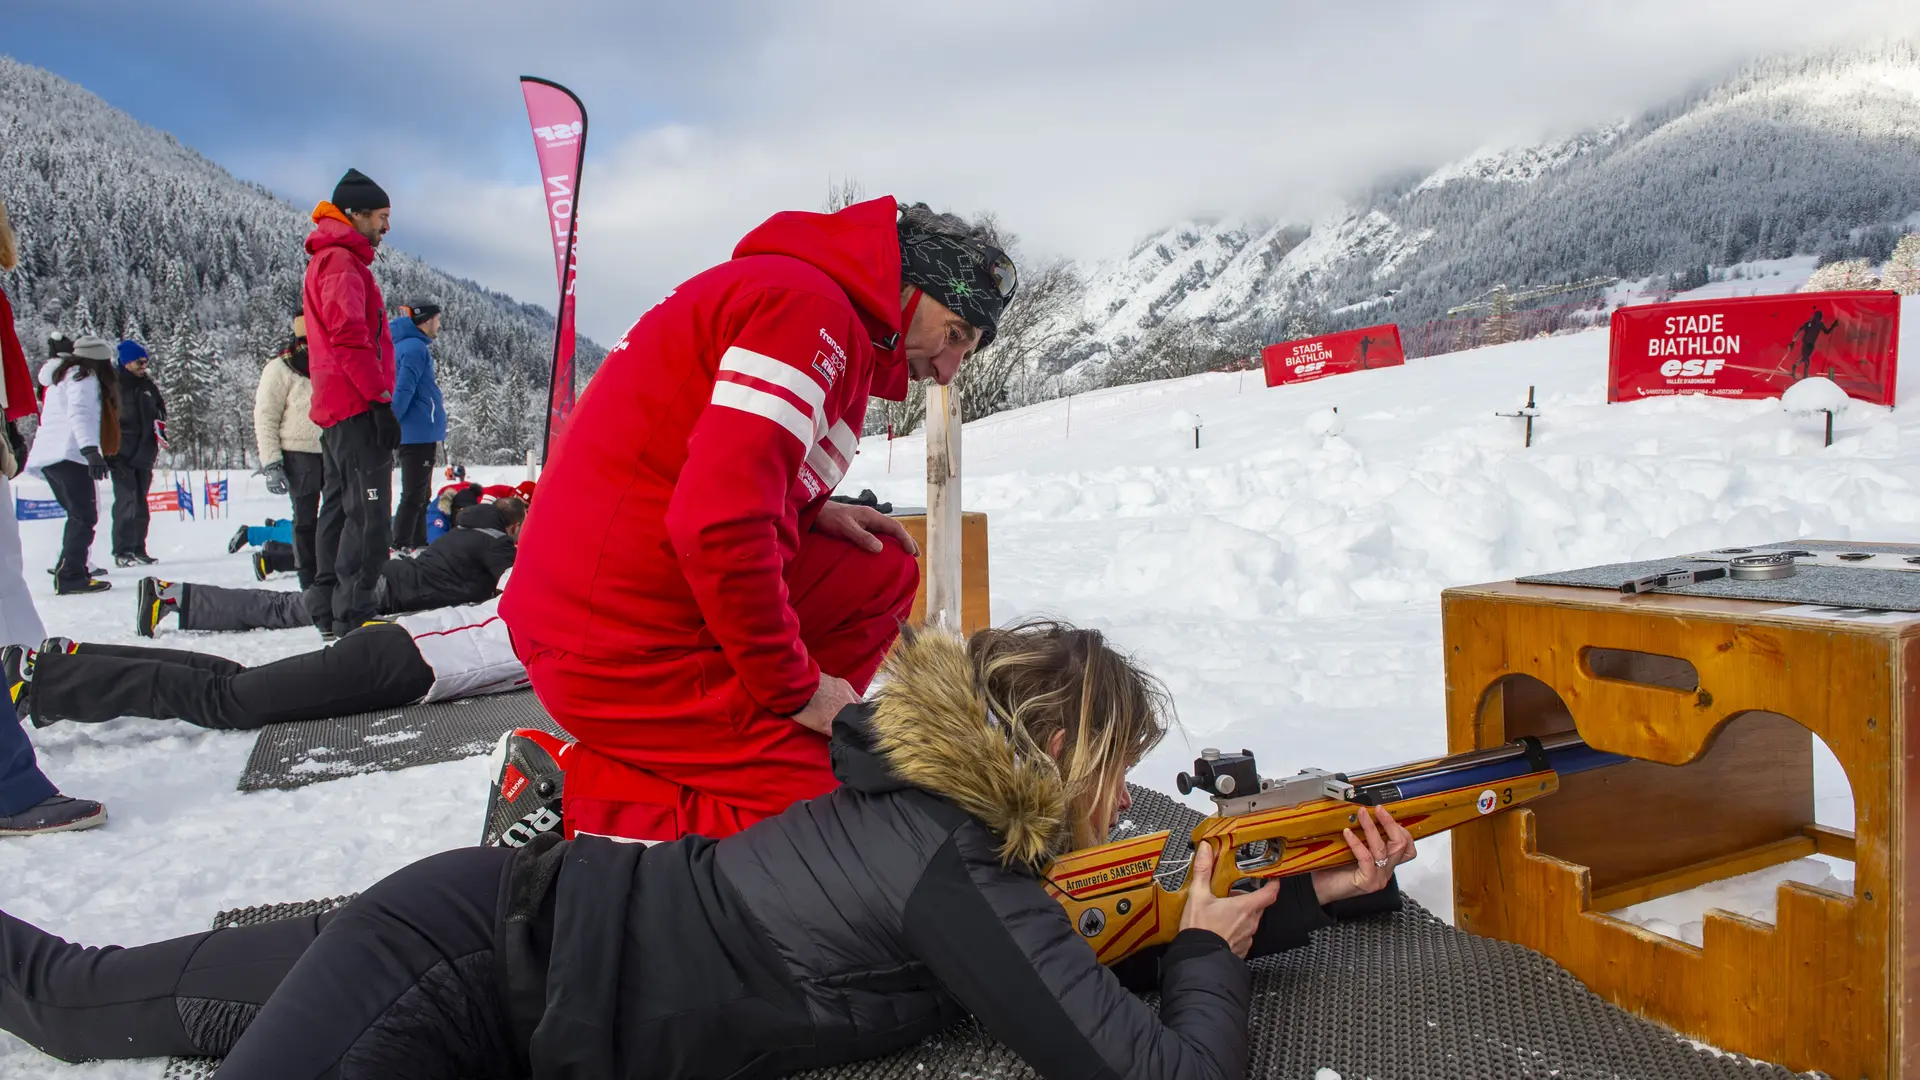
pixel 721 608
pixel 350 362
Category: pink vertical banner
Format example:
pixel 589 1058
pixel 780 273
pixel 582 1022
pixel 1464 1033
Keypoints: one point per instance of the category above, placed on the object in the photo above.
pixel 560 141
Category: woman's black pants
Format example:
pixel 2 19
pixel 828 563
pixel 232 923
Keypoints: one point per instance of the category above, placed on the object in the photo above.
pixel 73 486
pixel 402 982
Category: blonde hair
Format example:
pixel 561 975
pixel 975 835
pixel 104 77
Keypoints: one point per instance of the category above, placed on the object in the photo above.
pixel 9 247
pixel 1047 680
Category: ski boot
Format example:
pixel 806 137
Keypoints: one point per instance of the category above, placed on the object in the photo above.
pixel 523 801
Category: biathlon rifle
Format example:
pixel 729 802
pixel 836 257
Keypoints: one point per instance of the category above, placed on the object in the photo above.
pixel 1123 897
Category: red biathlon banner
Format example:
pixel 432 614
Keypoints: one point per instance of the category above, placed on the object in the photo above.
pixel 560 140
pixel 1331 354
pixel 1756 346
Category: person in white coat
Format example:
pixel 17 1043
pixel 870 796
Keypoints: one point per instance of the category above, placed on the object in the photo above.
pixel 429 656
pixel 79 430
pixel 289 442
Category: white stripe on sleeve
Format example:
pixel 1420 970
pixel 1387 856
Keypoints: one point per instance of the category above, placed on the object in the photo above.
pixel 767 369
pixel 759 402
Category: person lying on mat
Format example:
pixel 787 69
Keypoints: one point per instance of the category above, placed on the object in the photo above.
pixel 848 927
pixel 435 655
pixel 462 567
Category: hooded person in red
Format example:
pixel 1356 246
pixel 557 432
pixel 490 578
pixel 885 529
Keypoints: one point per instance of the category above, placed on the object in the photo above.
pixel 350 362
pixel 688 603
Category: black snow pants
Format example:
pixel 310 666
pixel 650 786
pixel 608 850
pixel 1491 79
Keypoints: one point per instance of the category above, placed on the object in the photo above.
pixel 212 607
pixel 416 489
pixel 401 983
pixel 356 516
pixel 130 514
pixel 375 667
pixel 306 474
pixel 73 487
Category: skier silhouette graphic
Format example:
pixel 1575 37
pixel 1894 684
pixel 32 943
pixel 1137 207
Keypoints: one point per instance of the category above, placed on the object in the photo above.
pixel 1809 335
pixel 1365 344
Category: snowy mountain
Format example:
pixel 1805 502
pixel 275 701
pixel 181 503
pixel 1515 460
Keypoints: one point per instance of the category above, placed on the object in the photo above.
pixel 127 233
pixel 1808 156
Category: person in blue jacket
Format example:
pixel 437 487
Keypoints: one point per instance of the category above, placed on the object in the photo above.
pixel 423 420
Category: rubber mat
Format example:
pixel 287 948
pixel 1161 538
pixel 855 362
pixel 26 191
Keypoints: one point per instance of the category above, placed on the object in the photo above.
pixel 1401 997
pixel 1828 586
pixel 294 755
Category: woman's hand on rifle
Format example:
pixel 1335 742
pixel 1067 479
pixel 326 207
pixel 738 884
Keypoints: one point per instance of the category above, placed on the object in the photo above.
pixel 1234 917
pixel 1377 849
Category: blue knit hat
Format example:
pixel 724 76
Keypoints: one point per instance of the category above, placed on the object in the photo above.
pixel 130 352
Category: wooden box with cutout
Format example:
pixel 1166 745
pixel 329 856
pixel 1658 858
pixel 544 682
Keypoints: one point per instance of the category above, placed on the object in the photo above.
pixel 1716 698
pixel 976 612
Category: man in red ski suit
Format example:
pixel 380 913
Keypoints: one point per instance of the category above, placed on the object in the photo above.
pixel 350 360
pixel 688 603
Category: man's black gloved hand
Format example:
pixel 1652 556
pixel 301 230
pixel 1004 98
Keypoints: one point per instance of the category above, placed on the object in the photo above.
pixel 386 426
pixel 19 444
pixel 96 465
pixel 276 474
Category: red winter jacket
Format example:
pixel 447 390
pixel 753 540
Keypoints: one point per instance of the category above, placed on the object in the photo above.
pixel 701 452
pixel 349 349
pixel 22 399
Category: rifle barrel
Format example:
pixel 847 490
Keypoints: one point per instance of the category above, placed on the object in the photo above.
pixel 1565 754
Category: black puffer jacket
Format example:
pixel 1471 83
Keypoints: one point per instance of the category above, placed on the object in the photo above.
pixel 141 407
pixel 462 567
pixel 857 923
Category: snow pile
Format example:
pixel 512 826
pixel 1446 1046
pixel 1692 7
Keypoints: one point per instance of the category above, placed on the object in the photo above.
pixel 1815 394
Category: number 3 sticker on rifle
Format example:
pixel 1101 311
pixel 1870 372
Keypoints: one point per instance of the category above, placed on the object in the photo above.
pixel 1488 800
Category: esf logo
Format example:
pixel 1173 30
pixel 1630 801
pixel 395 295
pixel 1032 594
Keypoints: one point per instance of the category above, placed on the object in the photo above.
pixel 561 131
pixel 1691 367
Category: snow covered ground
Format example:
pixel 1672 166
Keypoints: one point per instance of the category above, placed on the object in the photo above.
pixel 1283 578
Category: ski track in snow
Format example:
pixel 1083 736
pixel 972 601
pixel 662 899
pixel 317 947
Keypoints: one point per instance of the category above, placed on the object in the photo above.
pixel 1283 581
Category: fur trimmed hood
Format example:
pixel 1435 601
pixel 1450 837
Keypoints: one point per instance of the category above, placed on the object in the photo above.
pixel 927 727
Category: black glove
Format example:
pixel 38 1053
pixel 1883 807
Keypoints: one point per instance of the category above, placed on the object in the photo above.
pixel 96 465
pixel 276 474
pixel 17 441
pixel 386 426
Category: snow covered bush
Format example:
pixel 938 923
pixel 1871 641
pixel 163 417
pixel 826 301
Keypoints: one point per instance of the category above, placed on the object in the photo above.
pixel 1842 275
pixel 1902 272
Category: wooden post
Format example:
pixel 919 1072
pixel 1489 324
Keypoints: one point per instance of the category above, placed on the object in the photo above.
pixel 943 507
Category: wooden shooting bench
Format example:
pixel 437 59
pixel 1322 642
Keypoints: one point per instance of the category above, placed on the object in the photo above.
pixel 976 611
pixel 1715 697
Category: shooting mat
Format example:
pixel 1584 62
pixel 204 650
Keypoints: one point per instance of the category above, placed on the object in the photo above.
pixel 1827 586
pixel 1403 997
pixel 294 755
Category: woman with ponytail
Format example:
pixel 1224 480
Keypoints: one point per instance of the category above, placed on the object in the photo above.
pixel 79 430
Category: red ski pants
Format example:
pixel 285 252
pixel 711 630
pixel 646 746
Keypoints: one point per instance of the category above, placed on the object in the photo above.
pixel 677 746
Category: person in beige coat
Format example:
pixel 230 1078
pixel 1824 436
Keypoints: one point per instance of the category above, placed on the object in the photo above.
pixel 289 442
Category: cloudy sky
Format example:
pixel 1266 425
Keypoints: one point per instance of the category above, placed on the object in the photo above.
pixel 1084 125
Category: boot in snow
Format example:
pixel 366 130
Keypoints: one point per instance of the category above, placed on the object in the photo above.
pixel 16 668
pixel 156 600
pixel 524 800
pixel 58 813
pixel 91 585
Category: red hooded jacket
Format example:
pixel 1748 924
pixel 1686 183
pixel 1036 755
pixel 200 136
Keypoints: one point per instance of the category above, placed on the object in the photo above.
pixel 349 348
pixel 22 399
pixel 702 449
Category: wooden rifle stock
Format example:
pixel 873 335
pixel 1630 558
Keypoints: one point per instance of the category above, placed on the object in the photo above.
pixel 1122 899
